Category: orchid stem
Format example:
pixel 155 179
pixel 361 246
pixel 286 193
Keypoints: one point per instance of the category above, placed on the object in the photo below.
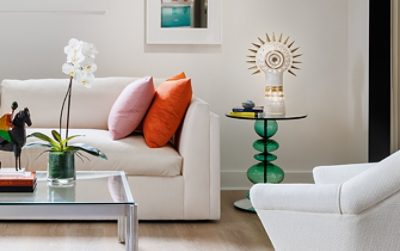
pixel 69 107
pixel 68 94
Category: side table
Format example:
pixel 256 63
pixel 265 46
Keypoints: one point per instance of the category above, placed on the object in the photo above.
pixel 264 171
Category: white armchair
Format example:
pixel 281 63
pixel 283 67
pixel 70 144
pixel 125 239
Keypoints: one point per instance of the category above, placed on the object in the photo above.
pixel 349 208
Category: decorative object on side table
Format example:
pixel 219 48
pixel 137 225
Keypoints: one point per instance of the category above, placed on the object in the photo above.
pixel 274 56
pixel 79 67
pixel 248 104
pixel 13 132
pixel 248 109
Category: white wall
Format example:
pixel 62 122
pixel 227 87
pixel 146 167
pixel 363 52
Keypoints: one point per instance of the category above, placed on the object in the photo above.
pixel 331 87
pixel 358 71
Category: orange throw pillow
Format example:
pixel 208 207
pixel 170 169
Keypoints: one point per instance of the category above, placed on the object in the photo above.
pixel 171 100
pixel 181 75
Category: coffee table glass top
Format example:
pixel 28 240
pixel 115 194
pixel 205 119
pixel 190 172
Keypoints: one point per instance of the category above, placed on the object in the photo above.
pixel 91 187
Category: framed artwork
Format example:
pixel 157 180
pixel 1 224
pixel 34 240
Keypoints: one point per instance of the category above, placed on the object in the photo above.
pixel 184 21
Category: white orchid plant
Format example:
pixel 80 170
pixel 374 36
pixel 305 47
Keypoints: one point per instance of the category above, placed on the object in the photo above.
pixel 80 68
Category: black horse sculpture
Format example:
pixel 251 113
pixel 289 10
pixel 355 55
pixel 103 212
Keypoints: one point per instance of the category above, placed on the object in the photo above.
pixel 17 136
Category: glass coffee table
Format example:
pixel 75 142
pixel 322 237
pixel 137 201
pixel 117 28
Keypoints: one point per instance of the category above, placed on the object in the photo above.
pixel 95 195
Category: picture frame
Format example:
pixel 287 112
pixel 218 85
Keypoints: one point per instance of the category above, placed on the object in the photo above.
pixel 155 34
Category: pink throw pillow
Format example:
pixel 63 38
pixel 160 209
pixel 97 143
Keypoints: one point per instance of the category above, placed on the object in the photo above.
pixel 130 107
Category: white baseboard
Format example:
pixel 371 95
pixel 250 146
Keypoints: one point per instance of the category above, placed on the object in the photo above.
pixel 237 180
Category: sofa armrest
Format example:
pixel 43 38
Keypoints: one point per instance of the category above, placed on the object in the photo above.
pixel 338 174
pixel 215 170
pixel 296 197
pixel 198 144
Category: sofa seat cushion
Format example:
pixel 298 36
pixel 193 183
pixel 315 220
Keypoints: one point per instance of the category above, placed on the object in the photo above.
pixel 130 154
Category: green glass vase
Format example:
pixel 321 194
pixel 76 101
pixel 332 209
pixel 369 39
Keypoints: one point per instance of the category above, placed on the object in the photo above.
pixel 61 168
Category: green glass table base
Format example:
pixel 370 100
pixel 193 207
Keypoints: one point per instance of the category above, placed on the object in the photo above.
pixel 263 145
pixel 256 173
pixel 264 171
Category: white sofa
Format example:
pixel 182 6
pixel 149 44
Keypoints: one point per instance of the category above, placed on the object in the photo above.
pixel 175 182
pixel 349 208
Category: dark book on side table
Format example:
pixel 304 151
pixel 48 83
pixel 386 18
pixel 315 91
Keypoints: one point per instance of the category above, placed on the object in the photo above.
pixel 242 109
pixel 253 112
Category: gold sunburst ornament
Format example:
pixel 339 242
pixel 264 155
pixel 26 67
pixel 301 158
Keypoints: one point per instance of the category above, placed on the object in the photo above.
pixel 274 56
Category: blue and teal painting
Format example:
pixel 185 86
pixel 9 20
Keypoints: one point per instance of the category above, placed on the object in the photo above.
pixel 179 16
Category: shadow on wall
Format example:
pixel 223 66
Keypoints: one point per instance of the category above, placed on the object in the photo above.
pixel 358 111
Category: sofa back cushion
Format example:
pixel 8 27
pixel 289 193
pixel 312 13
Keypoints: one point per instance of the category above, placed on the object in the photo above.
pixel 167 111
pixel 89 107
pixel 130 107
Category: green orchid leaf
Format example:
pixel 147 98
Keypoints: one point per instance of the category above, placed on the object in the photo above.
pixel 37 144
pixel 88 149
pixel 70 149
pixel 82 156
pixel 79 157
pixel 59 144
pixel 46 138
pixel 40 155
pixel 56 136
pixel 63 142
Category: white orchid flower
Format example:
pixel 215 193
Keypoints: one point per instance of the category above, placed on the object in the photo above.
pixel 80 61
pixel 74 51
pixel 76 57
pixel 70 69
pixel 73 45
pixel 87 62
pixel 88 50
pixel 84 78
pixel 89 68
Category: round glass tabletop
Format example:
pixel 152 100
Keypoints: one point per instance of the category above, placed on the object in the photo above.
pixel 269 117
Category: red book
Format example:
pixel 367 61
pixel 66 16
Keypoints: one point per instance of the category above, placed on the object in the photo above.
pixel 18 179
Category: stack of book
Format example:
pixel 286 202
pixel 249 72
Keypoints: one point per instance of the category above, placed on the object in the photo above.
pixel 13 181
pixel 254 112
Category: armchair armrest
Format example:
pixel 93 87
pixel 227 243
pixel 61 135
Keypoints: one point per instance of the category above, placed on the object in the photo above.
pixel 338 174
pixel 296 197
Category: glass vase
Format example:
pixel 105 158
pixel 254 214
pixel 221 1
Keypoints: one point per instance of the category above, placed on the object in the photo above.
pixel 61 168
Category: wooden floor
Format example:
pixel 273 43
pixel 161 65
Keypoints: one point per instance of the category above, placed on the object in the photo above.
pixel 236 230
